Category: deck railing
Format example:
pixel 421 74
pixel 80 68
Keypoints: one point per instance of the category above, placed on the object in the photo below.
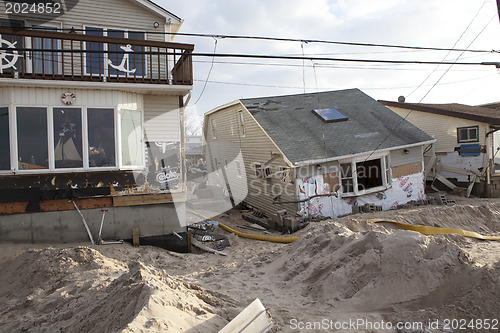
pixel 49 55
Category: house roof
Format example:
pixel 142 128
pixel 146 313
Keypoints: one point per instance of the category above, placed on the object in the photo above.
pixel 303 136
pixel 159 10
pixel 475 113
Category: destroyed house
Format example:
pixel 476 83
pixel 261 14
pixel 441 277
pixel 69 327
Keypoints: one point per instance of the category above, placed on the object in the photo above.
pixel 315 154
pixel 91 106
pixel 466 153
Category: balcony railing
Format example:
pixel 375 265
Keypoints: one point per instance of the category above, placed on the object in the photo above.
pixel 49 55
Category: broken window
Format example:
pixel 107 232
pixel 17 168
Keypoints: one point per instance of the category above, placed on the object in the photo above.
pixel 357 177
pixel 468 134
pixel 369 174
pixel 4 139
pixel 284 173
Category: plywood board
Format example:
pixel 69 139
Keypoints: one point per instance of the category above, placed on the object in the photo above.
pixel 7 208
pixel 65 204
pixel 406 169
pixel 332 179
pixel 142 199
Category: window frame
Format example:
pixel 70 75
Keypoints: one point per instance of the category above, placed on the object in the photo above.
pixel 118 145
pixel 105 73
pixel 241 122
pixel 468 128
pixel 11 141
pixel 385 173
pixel 49 109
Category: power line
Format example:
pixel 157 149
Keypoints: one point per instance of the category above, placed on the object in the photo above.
pixel 282 39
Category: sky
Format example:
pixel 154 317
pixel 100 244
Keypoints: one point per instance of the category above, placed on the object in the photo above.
pixel 464 24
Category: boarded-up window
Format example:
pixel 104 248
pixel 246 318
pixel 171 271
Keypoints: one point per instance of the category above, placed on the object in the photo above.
pixel 332 179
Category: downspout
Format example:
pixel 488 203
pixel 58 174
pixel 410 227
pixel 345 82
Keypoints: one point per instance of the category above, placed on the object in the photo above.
pixel 488 172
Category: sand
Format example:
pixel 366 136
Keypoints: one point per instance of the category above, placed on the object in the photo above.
pixel 339 270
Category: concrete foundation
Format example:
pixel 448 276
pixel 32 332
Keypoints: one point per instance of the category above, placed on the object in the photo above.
pixel 67 226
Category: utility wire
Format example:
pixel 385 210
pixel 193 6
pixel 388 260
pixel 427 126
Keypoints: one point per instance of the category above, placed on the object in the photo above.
pixel 219 36
pixel 209 72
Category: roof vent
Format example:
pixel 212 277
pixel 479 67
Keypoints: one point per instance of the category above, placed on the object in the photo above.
pixel 401 99
pixel 329 115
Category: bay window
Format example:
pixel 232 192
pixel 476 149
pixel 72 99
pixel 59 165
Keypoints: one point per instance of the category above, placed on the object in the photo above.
pixel 42 139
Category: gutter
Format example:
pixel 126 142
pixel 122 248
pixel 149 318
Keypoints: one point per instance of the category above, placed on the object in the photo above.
pixel 331 159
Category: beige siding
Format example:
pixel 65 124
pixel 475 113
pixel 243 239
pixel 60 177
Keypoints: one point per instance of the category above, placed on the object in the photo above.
pixel 84 98
pixel 442 128
pixel 119 14
pixel 115 14
pixel 161 118
pixel 255 146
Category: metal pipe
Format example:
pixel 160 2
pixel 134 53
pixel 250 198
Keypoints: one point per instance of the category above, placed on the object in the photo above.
pixel 84 222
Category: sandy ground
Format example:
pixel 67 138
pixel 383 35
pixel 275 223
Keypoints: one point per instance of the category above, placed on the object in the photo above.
pixel 339 270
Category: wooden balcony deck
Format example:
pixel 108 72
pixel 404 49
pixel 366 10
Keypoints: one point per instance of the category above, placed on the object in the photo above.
pixel 49 55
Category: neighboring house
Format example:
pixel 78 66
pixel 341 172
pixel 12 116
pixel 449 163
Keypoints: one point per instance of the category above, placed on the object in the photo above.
pixel 468 140
pixel 194 149
pixel 315 154
pixel 92 113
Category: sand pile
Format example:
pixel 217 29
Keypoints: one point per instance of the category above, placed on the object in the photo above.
pixel 80 290
pixel 355 266
pixel 339 269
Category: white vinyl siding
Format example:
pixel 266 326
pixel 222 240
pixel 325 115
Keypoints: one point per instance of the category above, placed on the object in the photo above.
pixel 161 118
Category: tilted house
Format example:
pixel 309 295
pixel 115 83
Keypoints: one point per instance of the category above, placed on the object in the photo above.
pixel 91 111
pixel 467 142
pixel 316 154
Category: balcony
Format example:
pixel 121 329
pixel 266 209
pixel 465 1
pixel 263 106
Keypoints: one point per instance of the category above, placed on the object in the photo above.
pixel 50 55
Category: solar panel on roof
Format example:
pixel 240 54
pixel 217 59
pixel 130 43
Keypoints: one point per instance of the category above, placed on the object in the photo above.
pixel 329 115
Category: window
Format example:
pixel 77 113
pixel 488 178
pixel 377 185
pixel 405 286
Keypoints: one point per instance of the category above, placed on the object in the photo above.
pixel 45 62
pixel 359 177
pixel 4 139
pixel 32 138
pixel 101 137
pixel 238 168
pixel 131 138
pixel 212 125
pixel 369 174
pixel 284 174
pixel 347 179
pixel 242 122
pixel 329 115
pixel 468 134
pixel 121 60
pixel 17 41
pixel 257 169
pixel 68 144
pixel 62 138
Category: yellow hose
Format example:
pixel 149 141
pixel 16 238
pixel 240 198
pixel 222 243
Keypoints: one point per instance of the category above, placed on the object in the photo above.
pixel 250 236
pixel 425 230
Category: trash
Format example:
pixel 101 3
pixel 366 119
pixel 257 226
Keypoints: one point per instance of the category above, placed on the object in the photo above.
pixel 203 247
pixel 255 318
